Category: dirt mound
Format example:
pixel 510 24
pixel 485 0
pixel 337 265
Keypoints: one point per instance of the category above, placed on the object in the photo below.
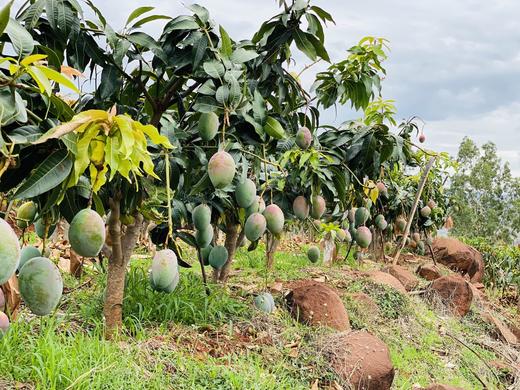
pixel 429 271
pixel 361 359
pixel 459 257
pixel 318 305
pixel 407 279
pixel 381 277
pixel 365 302
pixel 454 292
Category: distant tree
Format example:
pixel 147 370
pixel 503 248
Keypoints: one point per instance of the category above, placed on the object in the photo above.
pixel 485 195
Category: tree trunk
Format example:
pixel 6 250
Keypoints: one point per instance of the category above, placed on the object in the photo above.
pixel 76 265
pixel 122 248
pixel 270 249
pixel 222 275
pixel 241 240
pixel 414 207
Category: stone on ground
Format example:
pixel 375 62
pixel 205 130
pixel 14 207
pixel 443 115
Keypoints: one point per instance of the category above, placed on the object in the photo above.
pixel 318 305
pixel 454 292
pixel 459 257
pixel 386 279
pixel 429 272
pixel 362 360
pixel 407 279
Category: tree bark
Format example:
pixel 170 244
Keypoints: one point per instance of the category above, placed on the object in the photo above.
pixel 76 265
pixel 222 275
pixel 414 207
pixel 270 249
pixel 122 248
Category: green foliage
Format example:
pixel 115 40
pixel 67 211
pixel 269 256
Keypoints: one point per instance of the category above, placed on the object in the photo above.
pixel 356 79
pixel 484 194
pixel 502 264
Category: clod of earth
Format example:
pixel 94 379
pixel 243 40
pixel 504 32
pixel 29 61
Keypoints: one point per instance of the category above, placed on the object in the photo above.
pixel 316 304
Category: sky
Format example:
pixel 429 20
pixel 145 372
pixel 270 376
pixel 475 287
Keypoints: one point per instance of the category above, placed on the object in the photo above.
pixel 454 64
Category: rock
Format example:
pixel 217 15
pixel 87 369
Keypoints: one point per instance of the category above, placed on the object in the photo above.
pixel 362 360
pixel 365 302
pixel 316 304
pixel 454 292
pixel 501 329
pixel 386 279
pixel 407 279
pixel 459 257
pixel 429 271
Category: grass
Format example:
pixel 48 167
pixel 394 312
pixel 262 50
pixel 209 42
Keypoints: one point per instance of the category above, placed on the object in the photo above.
pixel 187 340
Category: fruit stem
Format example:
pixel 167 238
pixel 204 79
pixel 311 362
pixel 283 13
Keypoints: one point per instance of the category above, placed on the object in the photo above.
pixel 204 278
pixel 169 197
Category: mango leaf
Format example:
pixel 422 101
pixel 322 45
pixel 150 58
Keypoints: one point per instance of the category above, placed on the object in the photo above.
pixel 127 134
pixel 76 122
pixel 183 22
pixel 32 59
pixel 138 12
pixel 241 55
pixel 43 82
pixel 32 14
pixel 98 178
pixel 112 155
pixel 214 69
pixel 303 43
pixel 21 40
pixel 82 160
pixel 152 133
pixel 57 77
pixel 201 12
pixel 4 16
pixel 48 175
pixel 148 19
pixel 25 134
pixel 226 46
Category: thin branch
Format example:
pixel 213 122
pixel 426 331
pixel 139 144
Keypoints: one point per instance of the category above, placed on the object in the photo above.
pixel 414 207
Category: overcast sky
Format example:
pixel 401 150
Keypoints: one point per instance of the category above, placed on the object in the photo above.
pixel 455 64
